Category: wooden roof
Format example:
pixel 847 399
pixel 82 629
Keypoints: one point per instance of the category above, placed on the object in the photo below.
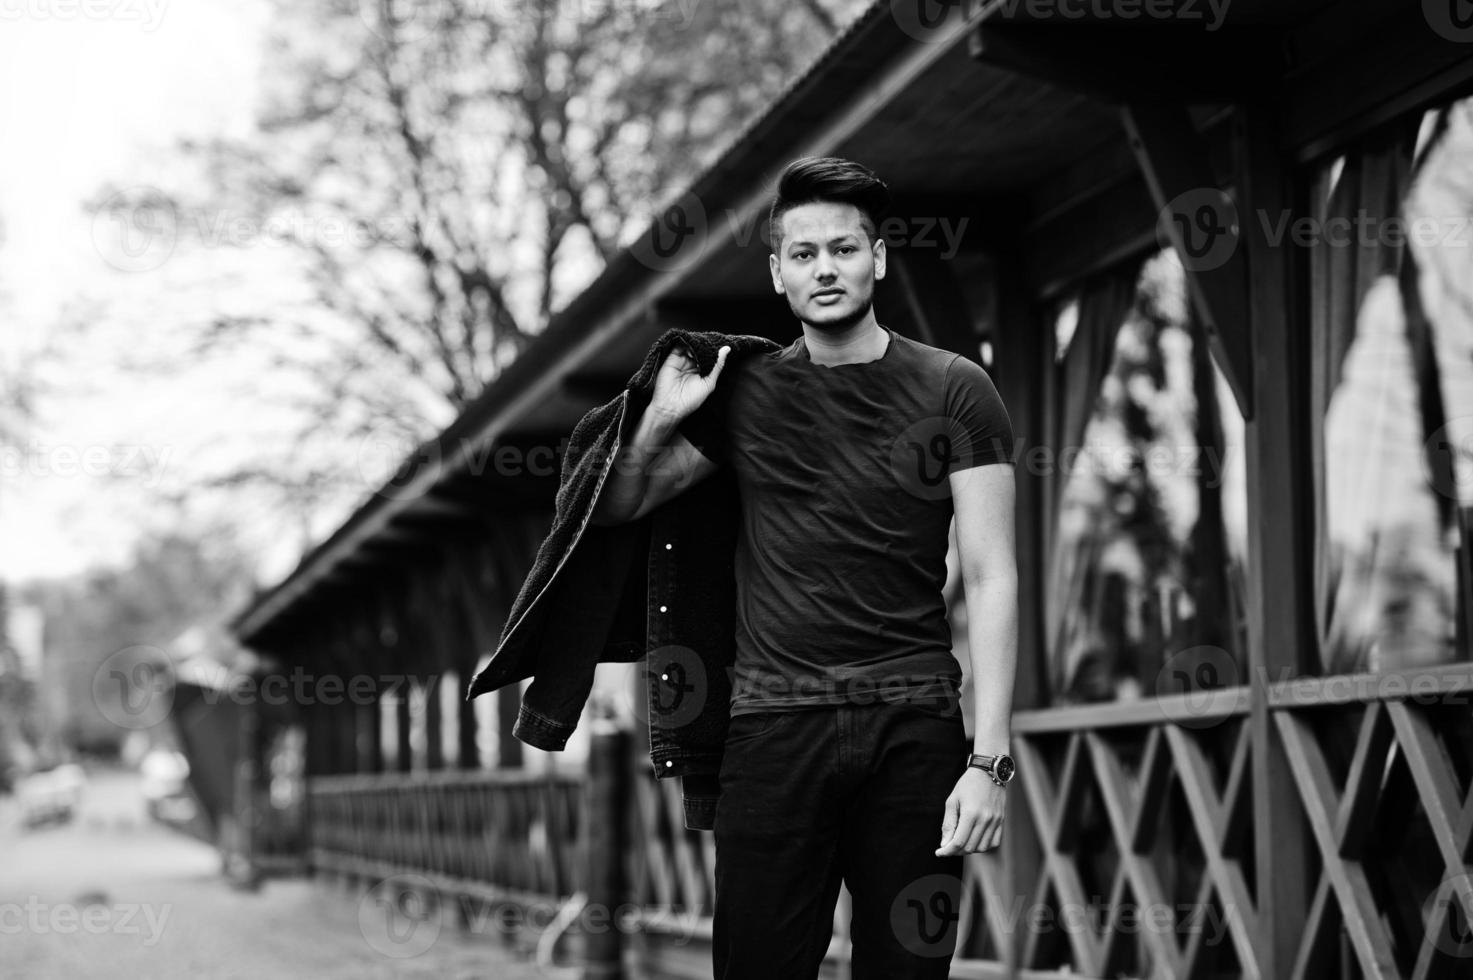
pixel 997 115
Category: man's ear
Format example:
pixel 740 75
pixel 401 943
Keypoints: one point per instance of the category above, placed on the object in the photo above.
pixel 879 258
pixel 777 276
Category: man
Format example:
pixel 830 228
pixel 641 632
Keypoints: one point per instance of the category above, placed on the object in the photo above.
pixel 846 757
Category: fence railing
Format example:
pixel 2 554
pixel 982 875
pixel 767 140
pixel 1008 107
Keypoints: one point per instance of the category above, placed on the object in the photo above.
pixel 492 834
pixel 1129 849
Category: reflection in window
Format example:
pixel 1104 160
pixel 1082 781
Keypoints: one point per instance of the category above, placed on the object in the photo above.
pixel 1147 550
pixel 1393 384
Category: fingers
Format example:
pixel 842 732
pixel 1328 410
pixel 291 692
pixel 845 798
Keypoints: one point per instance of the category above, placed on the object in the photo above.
pixel 720 360
pixel 948 822
pixel 962 831
pixel 968 833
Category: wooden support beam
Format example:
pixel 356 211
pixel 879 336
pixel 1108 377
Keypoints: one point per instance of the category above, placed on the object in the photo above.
pixel 1020 358
pixel 1204 226
pixel 1280 573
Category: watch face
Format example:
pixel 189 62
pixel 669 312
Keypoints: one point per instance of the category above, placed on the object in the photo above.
pixel 1002 767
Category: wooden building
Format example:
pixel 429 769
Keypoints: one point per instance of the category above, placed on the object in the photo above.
pixel 1218 260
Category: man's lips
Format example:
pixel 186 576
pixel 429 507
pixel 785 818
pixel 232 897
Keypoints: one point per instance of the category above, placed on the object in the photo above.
pixel 828 292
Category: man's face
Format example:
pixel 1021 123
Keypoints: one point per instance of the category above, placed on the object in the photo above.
pixel 826 265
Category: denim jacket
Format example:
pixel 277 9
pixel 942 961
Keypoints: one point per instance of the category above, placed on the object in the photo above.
pixel 660 589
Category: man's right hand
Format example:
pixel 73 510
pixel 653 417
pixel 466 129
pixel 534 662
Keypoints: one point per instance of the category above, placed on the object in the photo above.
pixel 679 387
pixel 660 462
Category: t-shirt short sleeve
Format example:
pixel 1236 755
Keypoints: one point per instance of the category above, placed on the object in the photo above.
pixel 981 430
pixel 705 427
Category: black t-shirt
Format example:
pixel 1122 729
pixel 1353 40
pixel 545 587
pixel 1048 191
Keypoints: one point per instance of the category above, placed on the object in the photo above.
pixel 846 508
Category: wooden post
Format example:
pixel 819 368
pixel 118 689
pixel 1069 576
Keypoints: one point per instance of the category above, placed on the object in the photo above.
pixel 1021 359
pixel 1281 631
pixel 604 842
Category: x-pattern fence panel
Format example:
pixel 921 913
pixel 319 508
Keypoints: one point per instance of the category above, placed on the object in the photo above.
pixel 1385 779
pixel 1139 840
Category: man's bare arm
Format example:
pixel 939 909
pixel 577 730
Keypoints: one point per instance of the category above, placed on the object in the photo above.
pixel 659 462
pixel 648 474
pixel 983 498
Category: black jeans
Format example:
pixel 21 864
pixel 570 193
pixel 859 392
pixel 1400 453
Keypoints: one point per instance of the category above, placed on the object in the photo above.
pixel 813 796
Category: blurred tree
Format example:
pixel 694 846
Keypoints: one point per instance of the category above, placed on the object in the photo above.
pixel 173 581
pixel 451 172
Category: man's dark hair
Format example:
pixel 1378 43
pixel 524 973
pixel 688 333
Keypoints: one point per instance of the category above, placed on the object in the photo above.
pixel 814 179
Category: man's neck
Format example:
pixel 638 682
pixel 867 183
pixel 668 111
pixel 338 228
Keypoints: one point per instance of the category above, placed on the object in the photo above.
pixel 864 341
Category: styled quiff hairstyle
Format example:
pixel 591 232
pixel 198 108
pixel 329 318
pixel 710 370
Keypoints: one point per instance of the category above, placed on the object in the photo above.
pixel 814 179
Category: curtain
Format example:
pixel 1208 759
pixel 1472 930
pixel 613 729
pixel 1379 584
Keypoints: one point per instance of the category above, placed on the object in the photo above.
pixel 1079 369
pixel 1384 579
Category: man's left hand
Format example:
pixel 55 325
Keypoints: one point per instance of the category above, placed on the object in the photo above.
pixel 974 812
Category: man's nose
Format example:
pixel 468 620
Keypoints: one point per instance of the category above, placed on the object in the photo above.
pixel 824 267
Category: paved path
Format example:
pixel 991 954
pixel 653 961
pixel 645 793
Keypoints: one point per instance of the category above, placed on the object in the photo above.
pixel 112 895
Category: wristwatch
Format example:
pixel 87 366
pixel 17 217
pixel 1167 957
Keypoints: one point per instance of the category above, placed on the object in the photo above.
pixel 999 768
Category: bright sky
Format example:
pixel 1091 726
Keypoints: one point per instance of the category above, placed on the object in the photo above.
pixel 90 94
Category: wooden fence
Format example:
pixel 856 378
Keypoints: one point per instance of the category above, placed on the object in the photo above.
pixel 1129 851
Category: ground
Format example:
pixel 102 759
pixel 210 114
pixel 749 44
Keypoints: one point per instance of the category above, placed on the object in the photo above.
pixel 114 895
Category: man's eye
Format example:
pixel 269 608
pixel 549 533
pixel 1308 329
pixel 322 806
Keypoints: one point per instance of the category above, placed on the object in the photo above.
pixel 845 249
pixel 800 255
